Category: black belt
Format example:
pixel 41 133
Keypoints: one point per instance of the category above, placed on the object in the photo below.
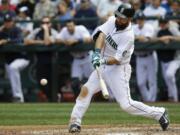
pixel 145 55
pixel 82 57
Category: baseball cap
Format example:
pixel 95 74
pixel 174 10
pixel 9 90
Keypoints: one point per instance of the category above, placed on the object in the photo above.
pixel 23 9
pixel 8 17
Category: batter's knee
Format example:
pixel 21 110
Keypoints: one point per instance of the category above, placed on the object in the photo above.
pixel 170 76
pixel 125 107
pixel 84 92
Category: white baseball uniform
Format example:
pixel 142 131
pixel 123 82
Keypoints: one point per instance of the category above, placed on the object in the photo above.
pixel 120 45
pixel 146 64
pixel 169 65
pixel 13 71
pixel 152 11
pixel 81 66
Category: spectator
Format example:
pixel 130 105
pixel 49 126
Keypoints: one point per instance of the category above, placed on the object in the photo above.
pixel 64 13
pixel 70 4
pixel 15 62
pixel 166 5
pixel 81 67
pixel 166 58
pixel 106 8
pixel 154 10
pixel 145 61
pixel 12 2
pixel 26 27
pixel 44 35
pixel 6 8
pixel 86 10
pixel 28 4
pixel 175 11
pixel 44 8
pixel 174 8
pixel 137 6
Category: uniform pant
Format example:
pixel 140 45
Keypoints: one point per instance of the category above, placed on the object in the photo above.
pixel 146 73
pixel 169 70
pixel 13 71
pixel 117 79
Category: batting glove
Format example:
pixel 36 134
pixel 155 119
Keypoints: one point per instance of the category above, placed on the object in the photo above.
pixel 96 58
pixel 98 62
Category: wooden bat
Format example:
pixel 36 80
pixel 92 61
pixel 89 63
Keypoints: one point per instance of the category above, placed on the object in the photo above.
pixel 102 85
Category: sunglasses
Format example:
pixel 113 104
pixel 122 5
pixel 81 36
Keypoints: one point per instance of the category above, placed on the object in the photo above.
pixel 45 22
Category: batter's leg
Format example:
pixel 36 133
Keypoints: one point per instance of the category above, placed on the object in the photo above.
pixel 119 83
pixel 83 101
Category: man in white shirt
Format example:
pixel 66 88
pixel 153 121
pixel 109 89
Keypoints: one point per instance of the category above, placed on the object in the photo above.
pixel 154 10
pixel 81 67
pixel 145 60
pixel 114 45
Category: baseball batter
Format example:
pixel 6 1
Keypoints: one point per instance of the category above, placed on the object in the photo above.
pixel 114 45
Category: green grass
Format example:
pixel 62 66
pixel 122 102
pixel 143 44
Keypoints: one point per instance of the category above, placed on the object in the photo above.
pixel 59 113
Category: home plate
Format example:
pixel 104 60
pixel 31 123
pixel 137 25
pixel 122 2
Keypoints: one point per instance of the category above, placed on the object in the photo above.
pixel 125 133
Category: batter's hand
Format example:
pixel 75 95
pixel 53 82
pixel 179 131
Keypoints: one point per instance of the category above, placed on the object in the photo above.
pixel 96 63
pixel 99 62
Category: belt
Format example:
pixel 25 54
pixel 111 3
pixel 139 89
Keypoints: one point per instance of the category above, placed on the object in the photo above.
pixel 144 55
pixel 82 57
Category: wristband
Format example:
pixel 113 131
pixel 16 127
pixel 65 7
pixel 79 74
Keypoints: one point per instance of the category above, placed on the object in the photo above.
pixel 97 50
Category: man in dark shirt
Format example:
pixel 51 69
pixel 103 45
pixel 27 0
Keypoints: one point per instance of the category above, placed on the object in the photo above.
pixel 15 62
pixel 166 58
pixel 87 11
pixel 44 35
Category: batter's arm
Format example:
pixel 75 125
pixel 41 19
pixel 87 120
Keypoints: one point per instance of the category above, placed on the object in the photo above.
pixel 99 43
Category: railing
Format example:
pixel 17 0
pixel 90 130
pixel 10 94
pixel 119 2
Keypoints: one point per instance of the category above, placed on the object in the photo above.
pixel 57 49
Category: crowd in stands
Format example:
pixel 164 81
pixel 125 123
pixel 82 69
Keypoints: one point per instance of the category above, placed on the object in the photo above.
pixel 75 20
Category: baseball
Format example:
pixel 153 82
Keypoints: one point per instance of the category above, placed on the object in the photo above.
pixel 43 82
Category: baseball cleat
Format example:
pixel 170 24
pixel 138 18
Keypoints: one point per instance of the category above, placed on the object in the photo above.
pixel 164 121
pixel 74 128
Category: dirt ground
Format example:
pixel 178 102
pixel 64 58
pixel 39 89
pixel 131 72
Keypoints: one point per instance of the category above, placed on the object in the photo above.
pixel 174 129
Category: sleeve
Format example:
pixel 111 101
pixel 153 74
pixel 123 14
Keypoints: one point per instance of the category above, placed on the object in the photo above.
pixel 61 35
pixel 149 32
pixel 125 49
pixel 85 32
pixel 33 34
pixel 30 27
pixel 17 38
pixel 54 35
pixel 105 28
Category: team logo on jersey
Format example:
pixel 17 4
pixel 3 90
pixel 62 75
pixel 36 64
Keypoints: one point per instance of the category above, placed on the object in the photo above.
pixel 124 53
pixel 111 42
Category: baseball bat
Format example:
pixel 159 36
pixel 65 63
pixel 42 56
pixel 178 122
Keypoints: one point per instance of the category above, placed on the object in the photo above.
pixel 102 85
